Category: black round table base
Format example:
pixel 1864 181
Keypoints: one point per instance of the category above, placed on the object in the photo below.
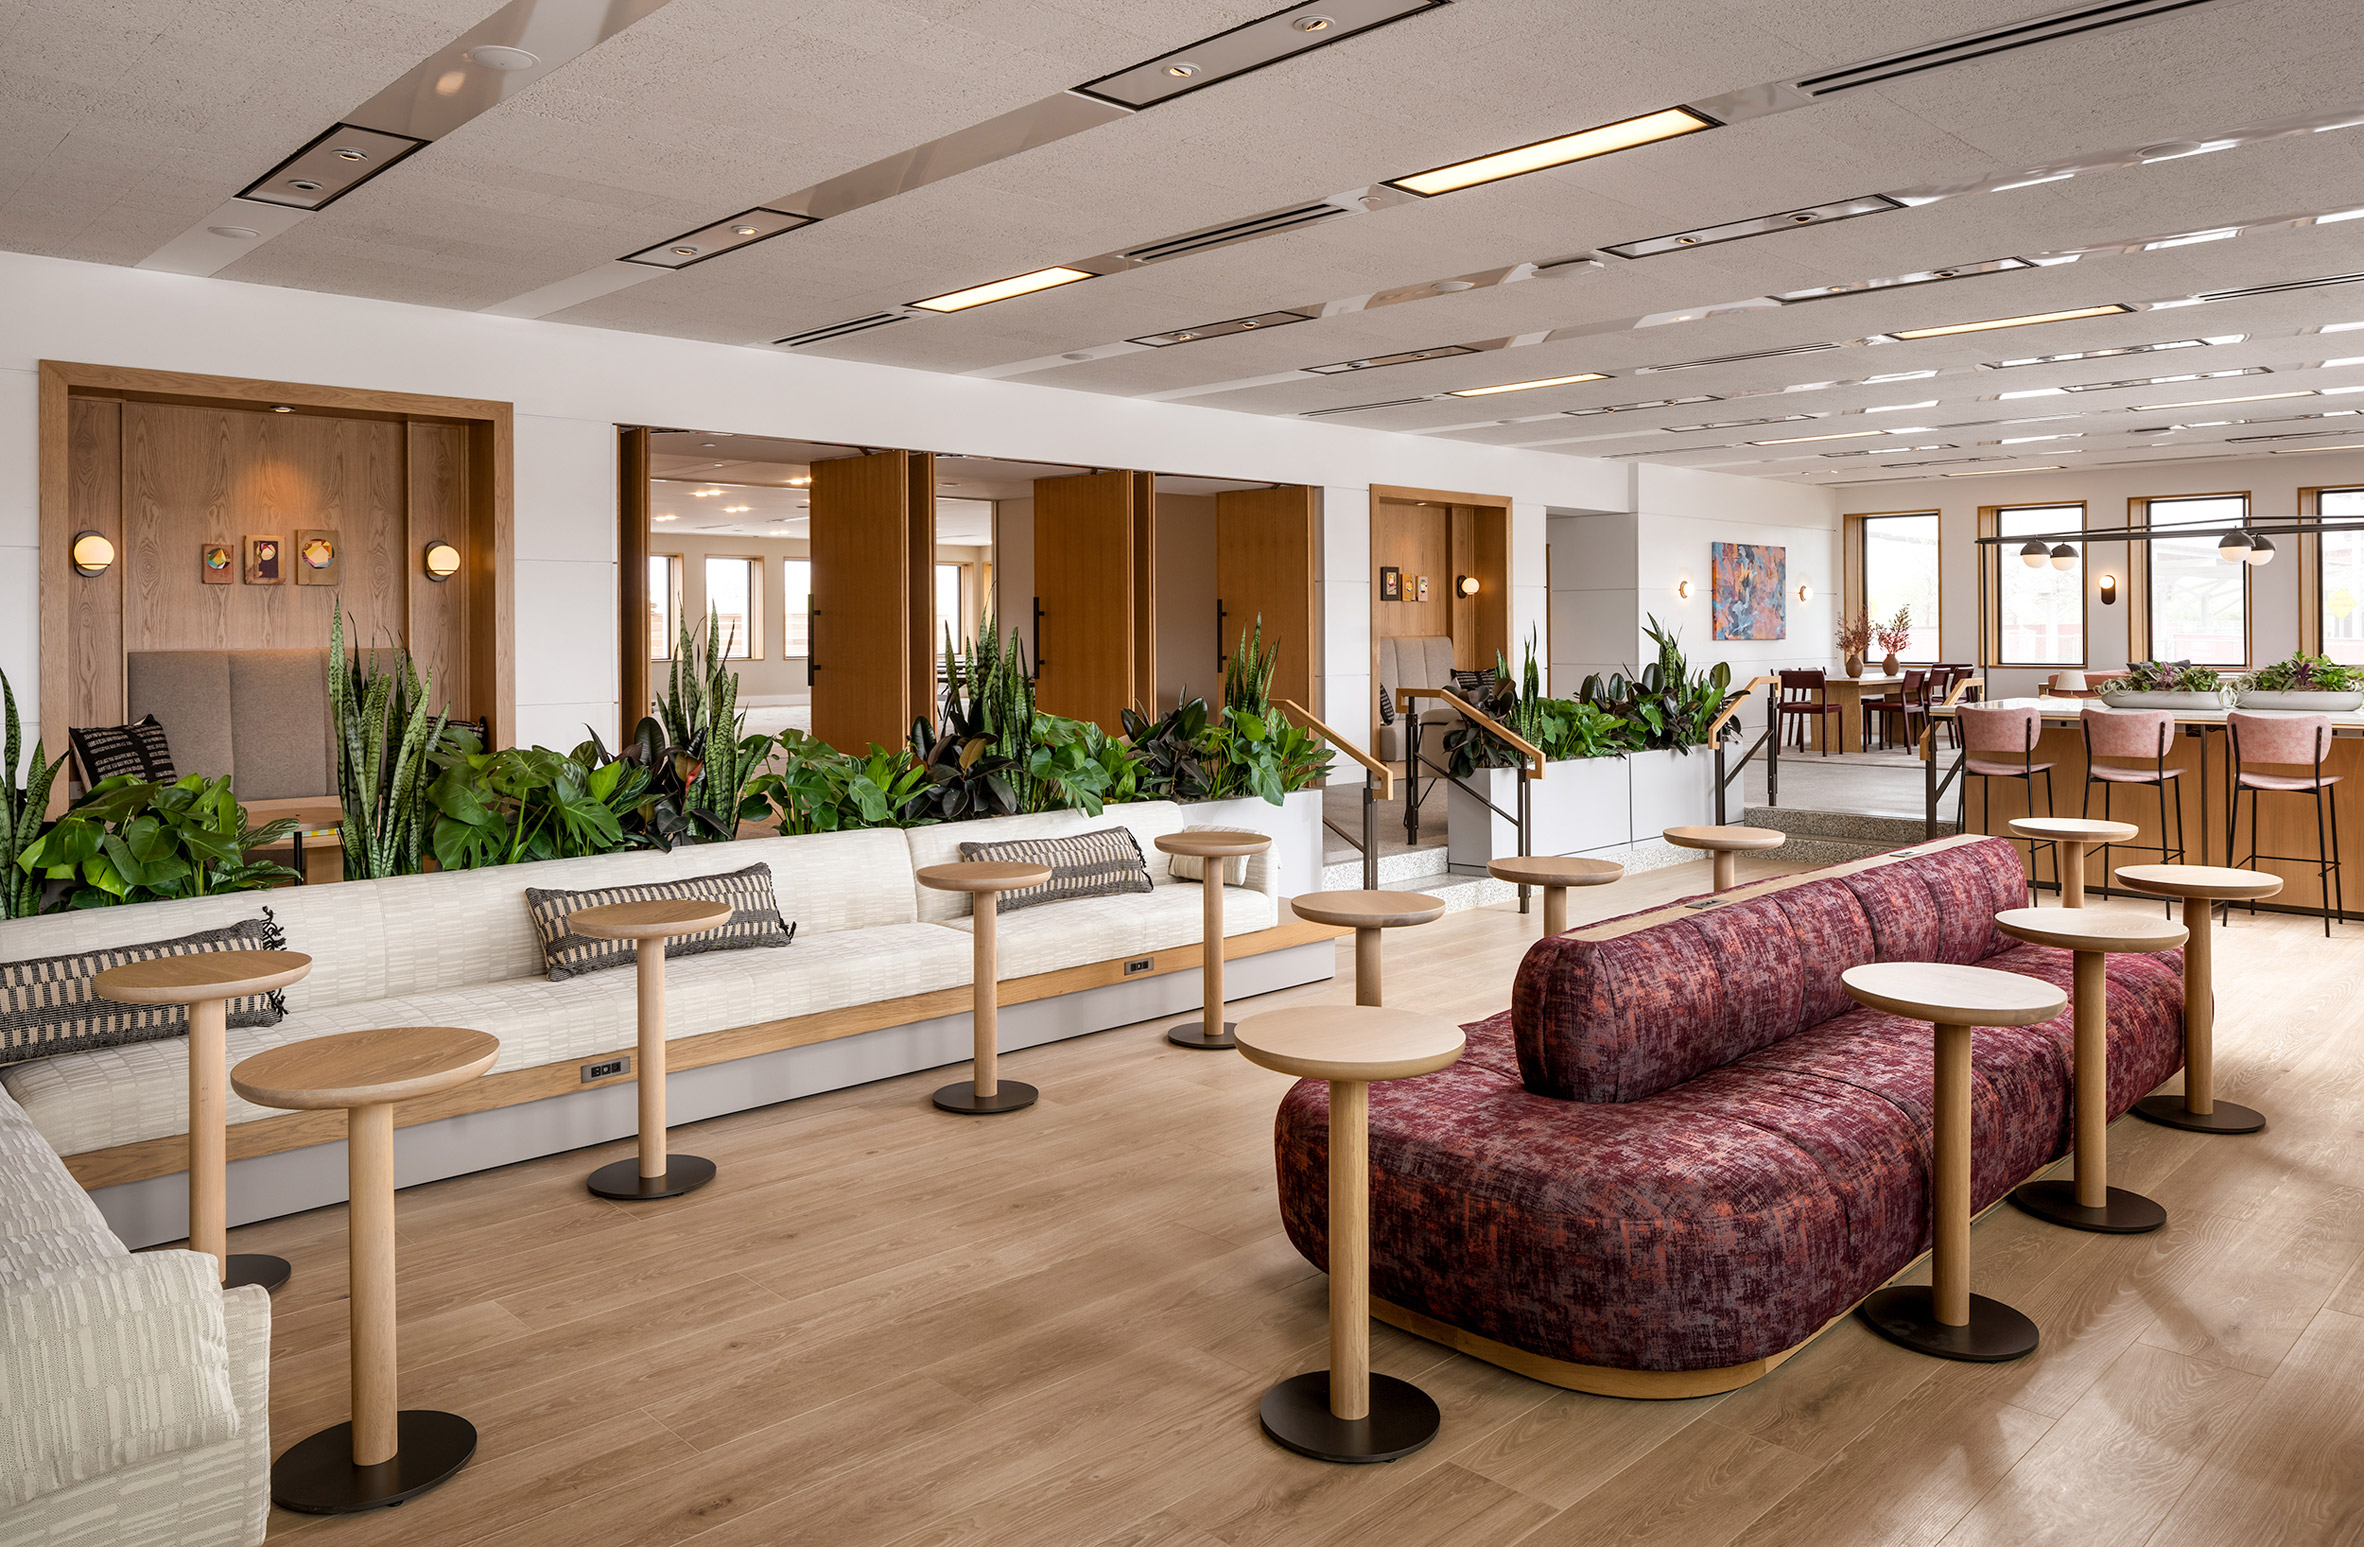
pixel 317 1476
pixel 2168 1112
pixel 2125 1213
pixel 1194 1034
pixel 1907 1315
pixel 246 1268
pixel 1008 1096
pixel 621 1179
pixel 1297 1416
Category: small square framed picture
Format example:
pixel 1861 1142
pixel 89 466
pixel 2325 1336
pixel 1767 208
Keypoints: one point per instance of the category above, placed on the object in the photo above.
pixel 1424 588
pixel 1391 583
pixel 316 558
pixel 266 560
pixel 217 563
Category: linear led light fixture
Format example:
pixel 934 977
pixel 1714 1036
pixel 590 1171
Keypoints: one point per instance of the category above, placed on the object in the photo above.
pixel 744 229
pixel 330 167
pixel 1401 357
pixel 1665 124
pixel 2284 451
pixel 1737 424
pixel 1900 281
pixel 2105 354
pixel 1361 408
pixel 1988 472
pixel 1758 225
pixel 2206 402
pixel 1250 46
pixel 1756 354
pixel 2110 310
pixel 1004 289
pixel 1798 440
pixel 1528 386
pixel 1256 324
pixel 2161 381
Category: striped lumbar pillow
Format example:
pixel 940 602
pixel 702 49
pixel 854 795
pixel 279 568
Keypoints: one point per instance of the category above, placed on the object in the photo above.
pixel 48 1005
pixel 1101 863
pixel 1190 867
pixel 755 920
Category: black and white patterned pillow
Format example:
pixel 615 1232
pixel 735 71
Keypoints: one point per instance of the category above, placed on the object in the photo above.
pixel 49 1006
pixel 1475 687
pixel 1386 705
pixel 754 923
pixel 1103 863
pixel 137 749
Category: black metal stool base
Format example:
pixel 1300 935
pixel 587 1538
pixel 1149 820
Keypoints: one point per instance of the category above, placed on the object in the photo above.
pixel 621 1179
pixel 2126 1213
pixel 1907 1315
pixel 2168 1112
pixel 1008 1096
pixel 1194 1034
pixel 1297 1416
pixel 246 1268
pixel 317 1476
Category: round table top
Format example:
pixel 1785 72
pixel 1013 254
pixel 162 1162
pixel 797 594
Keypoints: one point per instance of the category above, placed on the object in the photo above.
pixel 1726 838
pixel 983 875
pixel 1553 870
pixel 2074 829
pixel 201 975
pixel 365 1068
pixel 657 919
pixel 2092 929
pixel 1945 994
pixel 2213 882
pixel 1369 910
pixel 1348 1042
pixel 1202 843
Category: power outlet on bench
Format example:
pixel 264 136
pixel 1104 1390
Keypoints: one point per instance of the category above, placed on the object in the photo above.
pixel 1139 964
pixel 606 1069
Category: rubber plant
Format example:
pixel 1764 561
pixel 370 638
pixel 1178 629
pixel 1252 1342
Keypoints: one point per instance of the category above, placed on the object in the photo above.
pixel 133 840
pixel 24 806
pixel 383 735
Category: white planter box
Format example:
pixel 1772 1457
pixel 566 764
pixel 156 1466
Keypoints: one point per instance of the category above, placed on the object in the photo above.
pixel 1295 825
pixel 2304 703
pixel 1578 805
pixel 2132 700
pixel 1672 789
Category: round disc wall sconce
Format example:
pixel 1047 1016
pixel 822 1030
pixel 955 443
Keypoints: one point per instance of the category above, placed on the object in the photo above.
pixel 1465 585
pixel 443 560
pixel 1683 589
pixel 1805 593
pixel 92 553
pixel 2109 590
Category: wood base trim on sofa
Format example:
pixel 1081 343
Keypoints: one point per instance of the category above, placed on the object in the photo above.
pixel 146 1158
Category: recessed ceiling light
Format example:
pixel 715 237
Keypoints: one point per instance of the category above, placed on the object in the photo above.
pixel 242 233
pixel 736 510
pixel 303 185
pixel 1311 23
pixel 500 56
pixel 1665 124
pixel 743 231
pixel 2208 402
pixel 2111 310
pixel 1182 68
pixel 1982 472
pixel 1003 289
pixel 348 153
pixel 1528 386
pixel 798 483
pixel 1794 440
pixel 281 408
pixel 665 518
pixel 448 84
pixel 685 252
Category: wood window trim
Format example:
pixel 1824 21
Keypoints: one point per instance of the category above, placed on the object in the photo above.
pixel 2138 578
pixel 1856 573
pixel 2310 564
pixel 1990 588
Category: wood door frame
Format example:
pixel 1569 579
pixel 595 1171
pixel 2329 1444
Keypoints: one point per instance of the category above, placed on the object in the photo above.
pixel 633 553
pixel 1405 494
pixel 492 498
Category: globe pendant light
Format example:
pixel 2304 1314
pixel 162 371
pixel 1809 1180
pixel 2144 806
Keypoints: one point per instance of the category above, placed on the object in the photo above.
pixel 2034 554
pixel 2260 551
pixel 2064 557
pixel 2233 547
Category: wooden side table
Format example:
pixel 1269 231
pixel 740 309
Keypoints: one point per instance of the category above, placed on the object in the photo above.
pixel 206 982
pixel 1346 1413
pixel 2074 834
pixel 985 1093
pixel 1723 843
pixel 1555 874
pixel 648 925
pixel 1215 851
pixel 383 1455
pixel 2088 1201
pixel 2201 887
pixel 1943 1317
pixel 1367 913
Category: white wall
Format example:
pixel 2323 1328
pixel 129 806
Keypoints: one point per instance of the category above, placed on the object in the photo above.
pixel 1347 701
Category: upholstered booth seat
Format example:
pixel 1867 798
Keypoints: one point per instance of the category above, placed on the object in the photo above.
pixel 1414 661
pixel 1684 1149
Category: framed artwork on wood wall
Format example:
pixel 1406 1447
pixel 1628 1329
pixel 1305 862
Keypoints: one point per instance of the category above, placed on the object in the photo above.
pixel 1391 583
pixel 266 560
pixel 1748 582
pixel 217 563
pixel 316 558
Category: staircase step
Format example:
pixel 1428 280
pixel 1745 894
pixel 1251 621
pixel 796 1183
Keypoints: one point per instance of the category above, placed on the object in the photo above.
pixel 1834 837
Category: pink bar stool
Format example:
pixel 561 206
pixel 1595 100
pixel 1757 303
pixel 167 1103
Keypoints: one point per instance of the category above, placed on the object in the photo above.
pixel 2146 735
pixel 2000 743
pixel 2286 740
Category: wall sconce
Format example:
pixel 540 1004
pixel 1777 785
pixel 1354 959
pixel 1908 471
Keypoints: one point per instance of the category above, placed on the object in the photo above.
pixel 1465 585
pixel 1683 589
pixel 2109 590
pixel 92 553
pixel 1805 593
pixel 443 560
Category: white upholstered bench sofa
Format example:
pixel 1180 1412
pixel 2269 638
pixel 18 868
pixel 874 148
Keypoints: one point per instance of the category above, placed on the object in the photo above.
pixel 876 984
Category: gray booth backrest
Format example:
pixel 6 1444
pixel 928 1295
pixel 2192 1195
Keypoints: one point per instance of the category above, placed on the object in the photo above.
pixel 258 716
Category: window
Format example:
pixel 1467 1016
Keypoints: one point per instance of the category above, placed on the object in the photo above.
pixel 2339 588
pixel 796 599
pixel 664 604
pixel 732 586
pixel 2040 610
pixel 948 615
pixel 2198 603
pixel 1900 570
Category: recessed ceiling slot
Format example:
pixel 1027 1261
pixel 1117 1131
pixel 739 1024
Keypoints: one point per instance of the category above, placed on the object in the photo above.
pixel 1924 277
pixel 1234 231
pixel 1758 225
pixel 2279 289
pixel 841 329
pixel 1259 323
pixel 1404 357
pixel 1361 408
pixel 330 167
pixel 1998 40
pixel 1227 55
pixel 744 229
pixel 1627 408
pixel 1759 354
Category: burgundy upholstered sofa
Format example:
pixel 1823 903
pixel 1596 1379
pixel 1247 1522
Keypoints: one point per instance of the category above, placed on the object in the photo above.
pixel 1684 1150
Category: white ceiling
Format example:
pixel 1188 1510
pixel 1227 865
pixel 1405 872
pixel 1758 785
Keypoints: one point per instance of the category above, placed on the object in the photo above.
pixel 122 124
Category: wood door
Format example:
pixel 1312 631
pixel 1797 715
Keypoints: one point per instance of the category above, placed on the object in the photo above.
pixel 1084 586
pixel 862 615
pixel 1145 592
pixel 1264 568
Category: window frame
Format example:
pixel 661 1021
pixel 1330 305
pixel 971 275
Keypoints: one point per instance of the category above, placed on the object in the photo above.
pixel 676 567
pixel 755 578
pixel 787 651
pixel 1860 587
pixel 1990 585
pixel 2312 636
pixel 2141 624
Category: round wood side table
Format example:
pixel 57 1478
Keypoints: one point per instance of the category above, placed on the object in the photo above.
pixel 2087 1201
pixel 1367 913
pixel 383 1455
pixel 1214 851
pixel 2075 835
pixel 205 982
pixel 2201 887
pixel 1943 1317
pixel 1346 1413
pixel 1724 843
pixel 649 925
pixel 985 1093
pixel 1555 874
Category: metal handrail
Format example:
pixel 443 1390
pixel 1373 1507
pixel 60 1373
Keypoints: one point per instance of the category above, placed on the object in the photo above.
pixel 1374 768
pixel 1526 749
pixel 1523 818
pixel 1767 742
pixel 1378 781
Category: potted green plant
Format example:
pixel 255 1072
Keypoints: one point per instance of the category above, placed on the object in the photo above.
pixel 2311 683
pixel 2166 685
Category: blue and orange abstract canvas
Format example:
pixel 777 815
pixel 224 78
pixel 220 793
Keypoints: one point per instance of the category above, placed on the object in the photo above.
pixel 1749 581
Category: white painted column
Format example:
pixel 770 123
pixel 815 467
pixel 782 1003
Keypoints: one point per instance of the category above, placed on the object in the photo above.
pixel 1342 593
pixel 1530 586
pixel 564 544
pixel 20 550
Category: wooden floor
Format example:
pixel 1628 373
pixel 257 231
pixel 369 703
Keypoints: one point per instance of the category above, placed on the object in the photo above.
pixel 884 1324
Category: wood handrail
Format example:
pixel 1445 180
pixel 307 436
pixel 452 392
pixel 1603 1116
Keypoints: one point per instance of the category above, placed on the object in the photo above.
pixel 1306 717
pixel 1961 687
pixel 1526 749
pixel 1716 728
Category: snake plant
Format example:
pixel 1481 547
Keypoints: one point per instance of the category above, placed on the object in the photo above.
pixel 23 807
pixel 382 732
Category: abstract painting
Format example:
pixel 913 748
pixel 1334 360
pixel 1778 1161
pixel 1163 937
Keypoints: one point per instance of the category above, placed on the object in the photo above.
pixel 316 558
pixel 264 564
pixel 1748 582
pixel 217 563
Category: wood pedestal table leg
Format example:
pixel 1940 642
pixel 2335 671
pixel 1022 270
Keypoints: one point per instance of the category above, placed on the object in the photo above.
pixel 1555 911
pixel 985 1092
pixel 2072 872
pixel 653 1173
pixel 1210 1032
pixel 1366 967
pixel 1726 871
pixel 2087 1201
pixel 208 1154
pixel 2197 1110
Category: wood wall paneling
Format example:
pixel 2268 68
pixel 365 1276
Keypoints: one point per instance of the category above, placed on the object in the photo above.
pixel 1265 568
pixel 919 515
pixel 492 580
pixel 1416 539
pixel 1491 616
pixel 436 502
pixel 1469 653
pixel 95 504
pixel 632 549
pixel 1083 578
pixel 861 667
pixel 1145 591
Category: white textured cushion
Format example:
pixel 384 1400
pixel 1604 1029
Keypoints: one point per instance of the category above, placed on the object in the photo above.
pixel 940 844
pixel 1098 929
pixel 1191 867
pixel 118 1363
pixel 48 1225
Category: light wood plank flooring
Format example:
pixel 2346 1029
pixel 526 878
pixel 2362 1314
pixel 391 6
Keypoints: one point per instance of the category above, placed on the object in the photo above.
pixel 886 1325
